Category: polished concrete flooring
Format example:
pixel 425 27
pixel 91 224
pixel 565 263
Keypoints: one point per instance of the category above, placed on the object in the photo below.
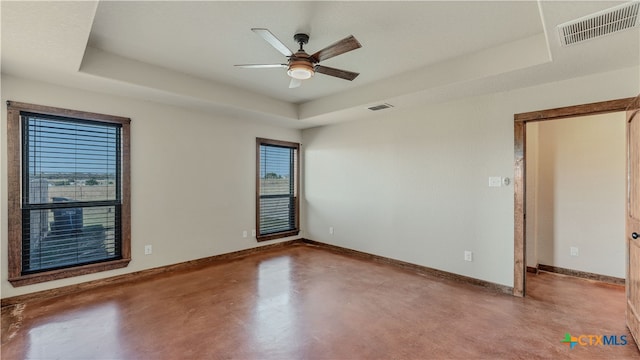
pixel 303 302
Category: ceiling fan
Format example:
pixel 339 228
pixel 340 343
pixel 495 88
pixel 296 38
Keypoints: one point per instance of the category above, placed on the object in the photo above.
pixel 302 66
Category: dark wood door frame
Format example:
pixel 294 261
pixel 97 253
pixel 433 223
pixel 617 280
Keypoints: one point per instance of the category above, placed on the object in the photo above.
pixel 520 122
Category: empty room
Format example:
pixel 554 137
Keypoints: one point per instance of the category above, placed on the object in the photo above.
pixel 320 179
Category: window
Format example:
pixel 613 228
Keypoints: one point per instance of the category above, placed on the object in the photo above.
pixel 68 178
pixel 277 200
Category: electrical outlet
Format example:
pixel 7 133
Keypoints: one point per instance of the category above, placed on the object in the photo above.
pixel 468 256
pixel 253 232
pixel 331 230
pixel 244 234
pixel 574 251
pixel 148 249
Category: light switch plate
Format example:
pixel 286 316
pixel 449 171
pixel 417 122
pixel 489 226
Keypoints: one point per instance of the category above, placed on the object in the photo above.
pixel 495 181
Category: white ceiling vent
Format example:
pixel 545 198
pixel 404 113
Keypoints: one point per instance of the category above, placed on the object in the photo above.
pixel 380 107
pixel 602 23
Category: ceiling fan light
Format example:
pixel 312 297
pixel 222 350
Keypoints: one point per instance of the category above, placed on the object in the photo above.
pixel 300 71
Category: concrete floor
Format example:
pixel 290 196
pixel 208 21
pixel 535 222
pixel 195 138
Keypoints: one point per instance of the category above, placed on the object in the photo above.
pixel 303 302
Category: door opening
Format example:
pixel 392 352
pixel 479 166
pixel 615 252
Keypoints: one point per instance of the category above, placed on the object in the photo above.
pixel 574 203
pixel 520 121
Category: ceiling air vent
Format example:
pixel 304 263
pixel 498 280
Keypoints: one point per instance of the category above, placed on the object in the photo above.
pixel 380 107
pixel 602 23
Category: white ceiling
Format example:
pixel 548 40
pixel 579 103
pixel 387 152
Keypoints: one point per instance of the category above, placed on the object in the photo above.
pixel 183 52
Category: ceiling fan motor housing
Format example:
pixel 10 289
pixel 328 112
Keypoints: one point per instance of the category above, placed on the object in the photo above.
pixel 300 66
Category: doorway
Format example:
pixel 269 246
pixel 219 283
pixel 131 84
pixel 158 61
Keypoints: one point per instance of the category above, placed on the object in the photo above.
pixel 575 198
pixel 520 121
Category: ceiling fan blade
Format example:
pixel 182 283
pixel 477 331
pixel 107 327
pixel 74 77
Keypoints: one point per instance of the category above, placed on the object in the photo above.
pixel 273 40
pixel 295 83
pixel 345 45
pixel 339 73
pixel 261 66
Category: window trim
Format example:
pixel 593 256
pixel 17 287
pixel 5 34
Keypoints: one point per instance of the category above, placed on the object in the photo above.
pixel 14 211
pixel 283 234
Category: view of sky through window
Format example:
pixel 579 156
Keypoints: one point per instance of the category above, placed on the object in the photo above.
pixel 59 147
pixel 275 160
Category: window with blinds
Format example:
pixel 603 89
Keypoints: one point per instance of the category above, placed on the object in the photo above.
pixel 277 203
pixel 71 192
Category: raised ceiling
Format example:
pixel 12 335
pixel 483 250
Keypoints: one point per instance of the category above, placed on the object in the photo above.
pixel 183 52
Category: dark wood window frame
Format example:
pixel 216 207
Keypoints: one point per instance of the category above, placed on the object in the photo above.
pixel 296 192
pixel 14 164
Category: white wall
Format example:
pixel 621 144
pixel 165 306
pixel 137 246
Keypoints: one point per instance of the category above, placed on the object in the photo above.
pixel 580 193
pixel 412 184
pixel 193 177
pixel 409 184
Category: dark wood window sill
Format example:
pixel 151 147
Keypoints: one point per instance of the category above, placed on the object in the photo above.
pixel 277 235
pixel 66 273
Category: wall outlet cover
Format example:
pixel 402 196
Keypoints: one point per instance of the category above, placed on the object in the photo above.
pixel 468 256
pixel 573 250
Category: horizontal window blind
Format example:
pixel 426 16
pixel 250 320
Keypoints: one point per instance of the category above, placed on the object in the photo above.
pixel 71 192
pixel 278 188
pixel 69 236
